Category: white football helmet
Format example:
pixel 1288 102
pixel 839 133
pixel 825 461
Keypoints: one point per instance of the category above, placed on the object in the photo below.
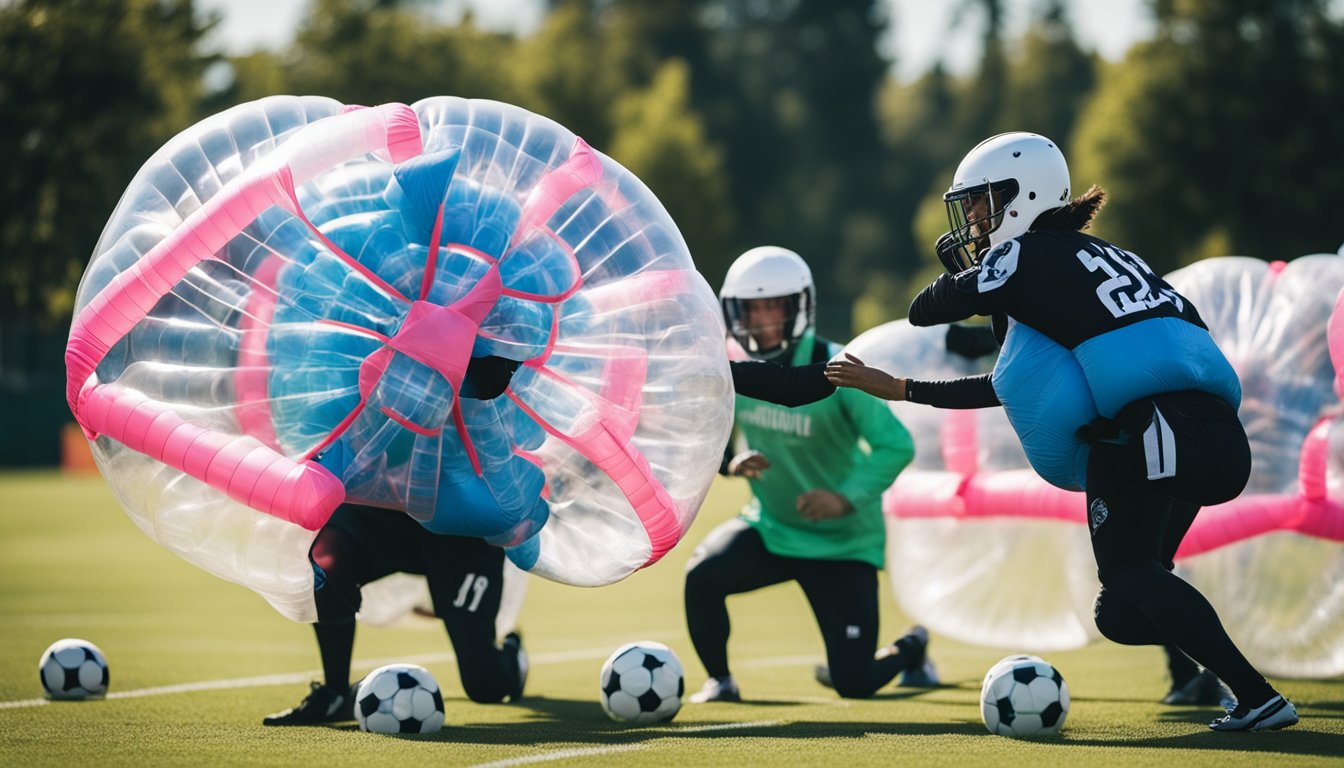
pixel 762 273
pixel 1028 176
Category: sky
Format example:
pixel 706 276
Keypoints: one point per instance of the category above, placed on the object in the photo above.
pixel 920 30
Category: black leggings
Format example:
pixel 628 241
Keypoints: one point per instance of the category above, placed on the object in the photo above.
pixel 1137 524
pixel 842 593
pixel 363 544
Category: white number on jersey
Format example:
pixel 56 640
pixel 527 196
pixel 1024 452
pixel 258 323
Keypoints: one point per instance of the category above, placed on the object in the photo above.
pixel 1130 285
pixel 474 586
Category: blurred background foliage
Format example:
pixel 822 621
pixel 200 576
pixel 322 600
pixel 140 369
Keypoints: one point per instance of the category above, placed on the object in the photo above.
pixel 754 121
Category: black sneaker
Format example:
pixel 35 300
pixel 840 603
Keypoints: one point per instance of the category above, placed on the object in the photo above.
pixel 1204 689
pixel 913 647
pixel 513 642
pixel 321 705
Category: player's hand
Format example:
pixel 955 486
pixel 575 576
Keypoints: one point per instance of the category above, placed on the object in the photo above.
pixel 818 504
pixel 748 464
pixel 851 372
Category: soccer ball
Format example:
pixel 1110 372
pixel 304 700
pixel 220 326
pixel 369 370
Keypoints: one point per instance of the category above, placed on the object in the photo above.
pixel 642 683
pixel 399 698
pixel 1024 696
pixel 73 669
pixel 1006 661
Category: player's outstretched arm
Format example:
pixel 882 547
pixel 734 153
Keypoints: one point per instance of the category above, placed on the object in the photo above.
pixel 791 386
pixel 852 372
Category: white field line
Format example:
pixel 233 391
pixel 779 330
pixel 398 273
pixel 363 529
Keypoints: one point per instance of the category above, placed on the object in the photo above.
pixel 723 726
pixel 565 754
pixel 291 678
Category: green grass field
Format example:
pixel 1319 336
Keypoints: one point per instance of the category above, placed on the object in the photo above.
pixel 196 662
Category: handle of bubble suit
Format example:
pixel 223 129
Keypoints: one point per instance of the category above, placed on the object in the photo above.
pixel 303 493
pixel 392 130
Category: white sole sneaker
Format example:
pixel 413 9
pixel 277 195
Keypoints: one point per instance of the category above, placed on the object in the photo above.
pixel 713 690
pixel 1274 714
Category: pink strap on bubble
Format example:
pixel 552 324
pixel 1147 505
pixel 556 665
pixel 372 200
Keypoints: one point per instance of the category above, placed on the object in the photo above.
pixel 1021 494
pixel 251 382
pixel 604 439
pixel 582 170
pixel 961 442
pixel 242 467
pixel 392 130
pixel 304 493
pixel 1334 339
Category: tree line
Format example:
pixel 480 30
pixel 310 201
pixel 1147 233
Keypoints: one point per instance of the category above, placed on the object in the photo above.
pixel 754 121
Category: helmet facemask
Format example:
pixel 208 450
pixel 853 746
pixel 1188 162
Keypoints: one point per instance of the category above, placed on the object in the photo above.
pixel 795 324
pixel 973 214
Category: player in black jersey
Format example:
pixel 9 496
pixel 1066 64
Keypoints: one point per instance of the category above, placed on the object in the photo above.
pixel 1190 685
pixel 361 544
pixel 1112 383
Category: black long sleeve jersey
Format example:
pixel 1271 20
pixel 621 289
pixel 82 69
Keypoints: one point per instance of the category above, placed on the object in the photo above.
pixel 790 386
pixel 1067 285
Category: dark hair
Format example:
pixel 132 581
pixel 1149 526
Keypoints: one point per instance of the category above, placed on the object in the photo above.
pixel 1077 215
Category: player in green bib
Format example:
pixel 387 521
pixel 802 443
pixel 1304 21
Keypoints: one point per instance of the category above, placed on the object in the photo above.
pixel 817 473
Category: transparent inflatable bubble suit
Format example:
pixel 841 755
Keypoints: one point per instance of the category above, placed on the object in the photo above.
pixel 1005 580
pixel 281 313
pixel 1016 570
pixel 1278 588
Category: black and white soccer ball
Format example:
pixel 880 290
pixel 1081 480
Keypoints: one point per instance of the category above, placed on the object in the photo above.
pixel 73 669
pixel 1024 696
pixel 642 682
pixel 1006 661
pixel 399 698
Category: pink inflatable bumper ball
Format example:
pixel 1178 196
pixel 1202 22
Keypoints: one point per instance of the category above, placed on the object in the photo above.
pixel 285 311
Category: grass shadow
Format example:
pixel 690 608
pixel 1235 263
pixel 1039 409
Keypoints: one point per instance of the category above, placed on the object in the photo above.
pixel 569 721
pixel 564 721
pixel 1298 740
pixel 594 732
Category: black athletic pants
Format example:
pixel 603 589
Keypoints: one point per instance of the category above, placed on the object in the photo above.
pixel 843 594
pixel 1173 453
pixel 362 544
